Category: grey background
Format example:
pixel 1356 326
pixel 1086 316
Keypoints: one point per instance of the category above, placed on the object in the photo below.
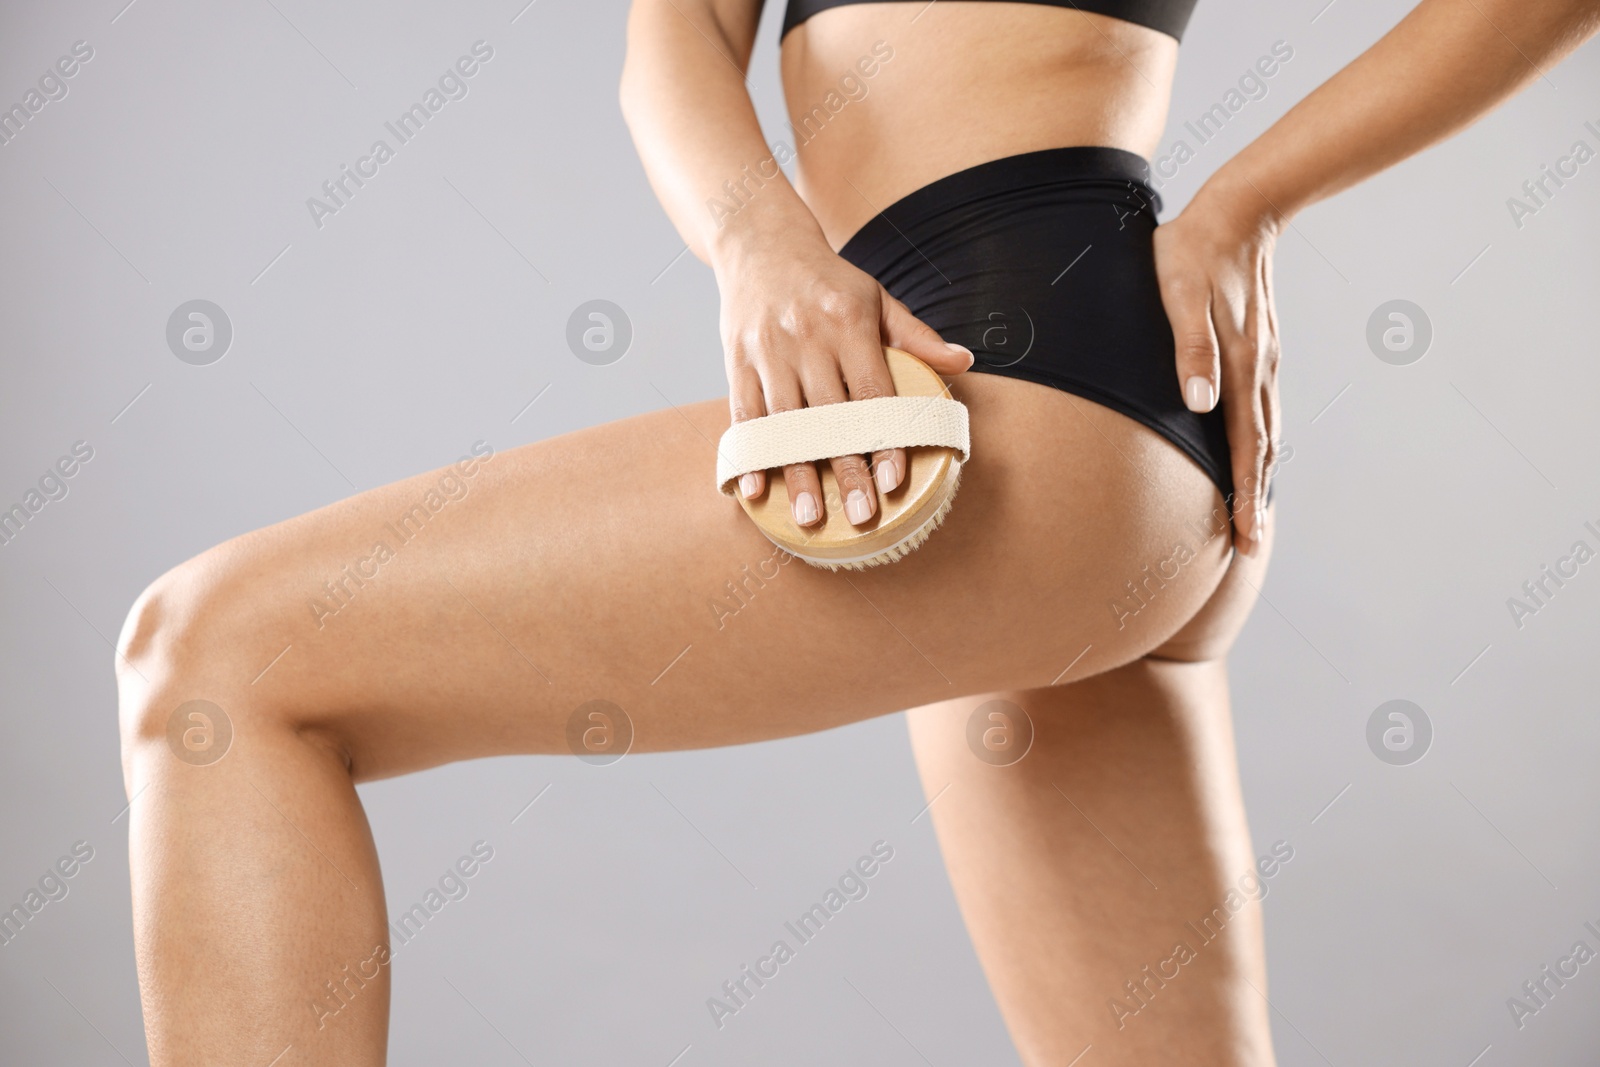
pixel 417 321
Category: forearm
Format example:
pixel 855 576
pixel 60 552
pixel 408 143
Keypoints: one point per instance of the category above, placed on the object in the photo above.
pixel 1447 63
pixel 684 98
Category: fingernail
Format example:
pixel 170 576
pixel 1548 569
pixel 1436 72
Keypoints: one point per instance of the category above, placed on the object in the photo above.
pixel 805 509
pixel 887 476
pixel 962 351
pixel 747 485
pixel 857 507
pixel 1198 394
pixel 1261 523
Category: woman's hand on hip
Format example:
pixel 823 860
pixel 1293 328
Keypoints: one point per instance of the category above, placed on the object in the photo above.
pixel 801 327
pixel 1214 262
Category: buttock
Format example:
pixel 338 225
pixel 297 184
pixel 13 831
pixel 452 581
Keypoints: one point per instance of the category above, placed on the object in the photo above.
pixel 1043 265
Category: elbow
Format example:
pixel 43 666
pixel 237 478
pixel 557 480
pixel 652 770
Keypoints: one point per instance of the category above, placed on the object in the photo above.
pixel 631 102
pixel 627 92
pixel 628 80
pixel 666 36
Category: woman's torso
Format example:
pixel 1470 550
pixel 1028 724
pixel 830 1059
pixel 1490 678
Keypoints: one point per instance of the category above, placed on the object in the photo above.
pixel 953 84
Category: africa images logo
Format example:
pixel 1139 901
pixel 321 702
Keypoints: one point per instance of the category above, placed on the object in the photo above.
pixel 852 885
pixel 452 85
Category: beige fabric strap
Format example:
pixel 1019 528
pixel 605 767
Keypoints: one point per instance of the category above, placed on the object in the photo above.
pixel 856 426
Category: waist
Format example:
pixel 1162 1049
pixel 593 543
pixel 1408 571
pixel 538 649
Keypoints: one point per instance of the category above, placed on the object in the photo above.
pixel 1005 234
pixel 880 105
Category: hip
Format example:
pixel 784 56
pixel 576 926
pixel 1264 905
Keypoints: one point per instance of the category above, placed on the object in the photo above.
pixel 1043 265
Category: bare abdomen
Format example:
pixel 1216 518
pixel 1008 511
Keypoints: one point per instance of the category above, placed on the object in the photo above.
pixel 881 105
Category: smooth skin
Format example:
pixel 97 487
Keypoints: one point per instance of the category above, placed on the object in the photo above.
pixel 256 884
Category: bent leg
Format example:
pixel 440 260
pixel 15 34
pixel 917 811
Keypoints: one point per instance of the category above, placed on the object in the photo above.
pixel 1107 877
pixel 602 565
pixel 473 612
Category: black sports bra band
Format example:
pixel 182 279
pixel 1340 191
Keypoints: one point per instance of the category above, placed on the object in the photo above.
pixel 1168 16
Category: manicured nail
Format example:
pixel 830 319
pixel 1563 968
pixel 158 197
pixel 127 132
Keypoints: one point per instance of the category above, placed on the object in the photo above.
pixel 748 485
pixel 1198 394
pixel 1261 523
pixel 805 509
pixel 962 351
pixel 887 476
pixel 857 507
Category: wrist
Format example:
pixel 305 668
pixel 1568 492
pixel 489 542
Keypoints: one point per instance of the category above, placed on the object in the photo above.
pixel 1248 201
pixel 757 227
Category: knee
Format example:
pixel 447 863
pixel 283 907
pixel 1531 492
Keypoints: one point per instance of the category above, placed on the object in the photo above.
pixel 181 642
pixel 155 650
pixel 152 633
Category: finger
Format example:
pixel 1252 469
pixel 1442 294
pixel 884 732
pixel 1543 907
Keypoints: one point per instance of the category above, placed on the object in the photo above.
pixel 805 493
pixel 1269 461
pixel 745 402
pixel 1273 356
pixel 1272 423
pixel 888 469
pixel 1271 416
pixel 1246 426
pixel 1194 340
pixel 857 494
pixel 903 330
pixel 801 479
pixel 866 376
pixel 856 488
pixel 1247 443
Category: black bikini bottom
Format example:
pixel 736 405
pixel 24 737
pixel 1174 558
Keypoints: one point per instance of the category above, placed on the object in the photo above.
pixel 1042 265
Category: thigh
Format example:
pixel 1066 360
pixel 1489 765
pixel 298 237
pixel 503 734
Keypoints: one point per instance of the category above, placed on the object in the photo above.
pixel 453 615
pixel 1083 866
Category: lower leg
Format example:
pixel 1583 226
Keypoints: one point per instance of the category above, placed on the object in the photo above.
pixel 1106 877
pixel 258 904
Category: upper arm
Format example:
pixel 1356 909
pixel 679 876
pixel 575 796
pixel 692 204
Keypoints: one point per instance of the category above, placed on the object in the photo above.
pixel 729 24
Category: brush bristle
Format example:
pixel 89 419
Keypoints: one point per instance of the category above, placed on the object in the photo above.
pixel 904 548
